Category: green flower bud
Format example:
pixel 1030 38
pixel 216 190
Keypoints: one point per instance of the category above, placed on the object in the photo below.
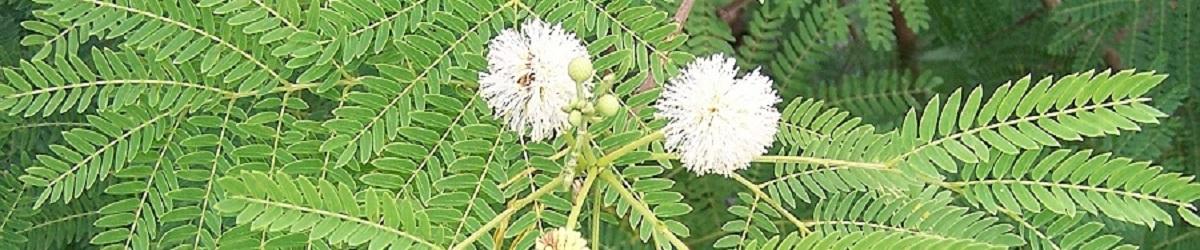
pixel 608 105
pixel 588 109
pixel 580 69
pixel 605 84
pixel 575 118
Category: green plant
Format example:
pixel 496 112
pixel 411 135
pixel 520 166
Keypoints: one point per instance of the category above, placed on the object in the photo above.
pixel 371 124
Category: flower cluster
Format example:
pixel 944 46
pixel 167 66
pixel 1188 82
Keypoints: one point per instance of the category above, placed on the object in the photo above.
pixel 717 122
pixel 561 239
pixel 527 83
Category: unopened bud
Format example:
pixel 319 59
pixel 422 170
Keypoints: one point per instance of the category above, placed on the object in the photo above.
pixel 580 69
pixel 608 105
pixel 575 118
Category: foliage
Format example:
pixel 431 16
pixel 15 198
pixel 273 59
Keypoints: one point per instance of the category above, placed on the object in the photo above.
pixel 355 124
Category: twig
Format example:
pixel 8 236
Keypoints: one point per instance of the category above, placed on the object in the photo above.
pixel 548 188
pixel 1047 6
pixel 732 11
pixel 641 208
pixel 906 40
pixel 1050 4
pixel 580 194
pixel 681 14
pixel 774 204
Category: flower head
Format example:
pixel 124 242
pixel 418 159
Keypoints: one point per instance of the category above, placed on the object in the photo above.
pixel 561 239
pixel 527 83
pixel 716 122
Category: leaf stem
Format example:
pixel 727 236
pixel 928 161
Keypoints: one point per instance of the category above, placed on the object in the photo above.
pixel 582 193
pixel 918 149
pixel 639 206
pixel 817 161
pixel 609 157
pixel 1135 195
pixel 340 216
pixel 596 219
pixel 774 204
pixel 518 205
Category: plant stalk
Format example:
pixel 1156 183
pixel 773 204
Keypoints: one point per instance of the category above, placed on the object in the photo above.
pixel 518 205
pixel 573 218
pixel 637 205
pixel 617 153
pixel 774 204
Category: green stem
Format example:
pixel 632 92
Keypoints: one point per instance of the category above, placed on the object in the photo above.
pixel 641 208
pixel 791 159
pixel 617 153
pixel 662 156
pixel 340 216
pixel 817 161
pixel 596 219
pixel 582 193
pixel 774 204
pixel 518 205
pixel 1141 196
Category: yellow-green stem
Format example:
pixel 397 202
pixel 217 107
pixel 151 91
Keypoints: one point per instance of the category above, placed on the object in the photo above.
pixel 774 204
pixel 617 153
pixel 596 219
pixel 639 206
pixel 817 161
pixel 549 187
pixel 573 218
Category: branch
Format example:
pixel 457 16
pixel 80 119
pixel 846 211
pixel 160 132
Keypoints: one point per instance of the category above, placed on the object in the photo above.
pixel 818 161
pixel 774 204
pixel 1047 6
pixel 1050 4
pixel 573 218
pixel 732 11
pixel 518 205
pixel 639 206
pixel 906 40
pixel 681 14
pixel 609 157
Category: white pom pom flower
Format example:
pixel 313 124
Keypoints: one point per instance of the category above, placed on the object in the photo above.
pixel 561 239
pixel 527 84
pixel 717 123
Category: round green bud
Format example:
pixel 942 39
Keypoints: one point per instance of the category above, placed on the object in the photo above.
pixel 575 118
pixel 605 84
pixel 580 69
pixel 588 109
pixel 608 105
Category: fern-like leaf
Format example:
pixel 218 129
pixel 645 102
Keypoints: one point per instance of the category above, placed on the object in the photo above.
pixel 1023 116
pixel 877 96
pixel 327 211
pixel 1067 182
pixel 112 81
pixel 90 155
pixel 927 214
